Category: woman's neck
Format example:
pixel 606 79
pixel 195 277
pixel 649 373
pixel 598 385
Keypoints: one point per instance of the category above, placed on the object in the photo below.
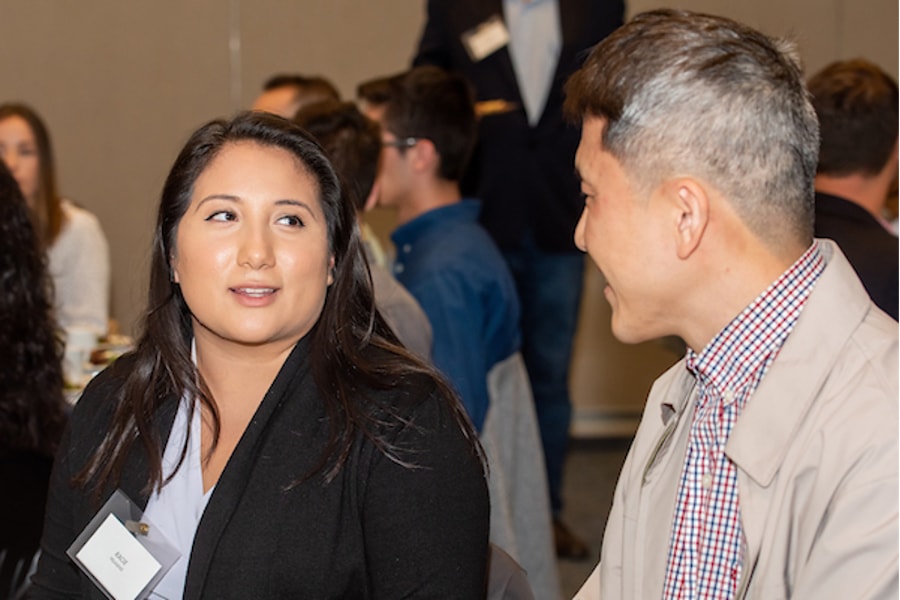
pixel 237 378
pixel 228 367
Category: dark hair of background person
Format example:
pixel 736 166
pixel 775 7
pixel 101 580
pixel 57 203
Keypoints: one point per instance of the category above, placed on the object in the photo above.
pixel 856 102
pixel 376 91
pixel 351 347
pixel 46 213
pixel 350 139
pixel 428 102
pixel 32 407
pixel 307 85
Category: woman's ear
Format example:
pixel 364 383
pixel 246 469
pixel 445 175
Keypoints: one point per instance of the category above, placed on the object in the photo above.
pixel 173 270
pixel 331 273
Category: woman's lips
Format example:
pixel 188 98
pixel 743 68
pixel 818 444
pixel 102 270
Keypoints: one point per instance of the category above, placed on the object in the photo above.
pixel 254 296
pixel 254 292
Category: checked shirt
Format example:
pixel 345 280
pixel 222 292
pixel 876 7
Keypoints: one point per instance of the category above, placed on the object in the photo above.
pixel 706 543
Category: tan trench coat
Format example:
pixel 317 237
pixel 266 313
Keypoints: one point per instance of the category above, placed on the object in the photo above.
pixel 817 455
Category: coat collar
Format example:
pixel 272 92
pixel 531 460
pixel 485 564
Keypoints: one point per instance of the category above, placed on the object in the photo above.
pixel 786 393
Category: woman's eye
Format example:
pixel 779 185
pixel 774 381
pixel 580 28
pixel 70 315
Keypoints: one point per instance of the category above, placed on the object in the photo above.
pixel 291 220
pixel 222 215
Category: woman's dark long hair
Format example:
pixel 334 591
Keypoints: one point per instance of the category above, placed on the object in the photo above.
pixel 351 346
pixel 46 214
pixel 32 407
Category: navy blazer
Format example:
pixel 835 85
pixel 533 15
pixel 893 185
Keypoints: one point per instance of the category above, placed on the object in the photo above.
pixel 524 176
pixel 869 247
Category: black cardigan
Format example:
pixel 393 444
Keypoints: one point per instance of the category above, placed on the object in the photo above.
pixel 378 530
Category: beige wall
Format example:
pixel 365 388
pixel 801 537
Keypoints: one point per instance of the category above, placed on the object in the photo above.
pixel 122 84
pixel 826 30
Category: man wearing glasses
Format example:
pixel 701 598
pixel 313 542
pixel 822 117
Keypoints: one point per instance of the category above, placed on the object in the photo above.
pixel 450 264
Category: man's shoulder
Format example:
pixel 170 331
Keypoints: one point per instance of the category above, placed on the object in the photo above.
pixel 461 245
pixel 872 353
pixel 845 352
pixel 845 221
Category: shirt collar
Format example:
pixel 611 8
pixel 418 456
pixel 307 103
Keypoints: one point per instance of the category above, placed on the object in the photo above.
pixel 739 354
pixel 464 211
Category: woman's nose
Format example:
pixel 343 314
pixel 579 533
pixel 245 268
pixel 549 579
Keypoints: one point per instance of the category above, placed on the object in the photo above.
pixel 256 250
pixel 9 157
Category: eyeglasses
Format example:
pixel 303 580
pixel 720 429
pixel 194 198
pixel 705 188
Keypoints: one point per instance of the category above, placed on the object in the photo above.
pixel 403 143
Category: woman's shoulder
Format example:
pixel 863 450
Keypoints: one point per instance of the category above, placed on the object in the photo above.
pixel 80 224
pixel 78 216
pixel 418 424
pixel 406 392
pixel 418 406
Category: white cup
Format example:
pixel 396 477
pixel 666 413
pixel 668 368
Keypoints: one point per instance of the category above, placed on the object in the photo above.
pixel 79 343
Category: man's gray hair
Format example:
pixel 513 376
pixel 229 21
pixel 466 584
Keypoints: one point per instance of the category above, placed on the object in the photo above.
pixel 698 95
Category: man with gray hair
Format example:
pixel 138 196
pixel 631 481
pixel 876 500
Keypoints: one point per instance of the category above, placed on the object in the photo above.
pixel 766 463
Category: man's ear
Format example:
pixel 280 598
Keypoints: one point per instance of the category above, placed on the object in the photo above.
pixel 691 202
pixel 424 155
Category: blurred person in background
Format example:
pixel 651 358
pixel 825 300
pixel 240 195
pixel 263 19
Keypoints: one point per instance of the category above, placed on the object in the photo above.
pixel 72 236
pixel 856 103
pixel 285 94
pixel 453 268
pixel 518 55
pixel 353 144
pixel 32 409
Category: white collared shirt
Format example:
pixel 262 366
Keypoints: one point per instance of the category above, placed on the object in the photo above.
pixel 535 39
pixel 177 508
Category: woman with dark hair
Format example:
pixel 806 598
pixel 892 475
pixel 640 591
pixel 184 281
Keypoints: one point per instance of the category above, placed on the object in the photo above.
pixel 75 244
pixel 32 409
pixel 268 421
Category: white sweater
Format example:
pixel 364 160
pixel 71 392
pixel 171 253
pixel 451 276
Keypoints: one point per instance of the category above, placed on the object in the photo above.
pixel 79 268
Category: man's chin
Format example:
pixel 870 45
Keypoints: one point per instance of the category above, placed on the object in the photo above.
pixel 626 332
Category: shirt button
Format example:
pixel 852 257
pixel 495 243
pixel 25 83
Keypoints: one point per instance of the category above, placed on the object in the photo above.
pixel 407 248
pixel 729 396
pixel 398 268
pixel 707 481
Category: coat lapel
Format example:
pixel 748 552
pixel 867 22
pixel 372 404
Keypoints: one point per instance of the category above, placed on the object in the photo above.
pixel 570 16
pixel 660 479
pixel 785 395
pixel 238 471
pixel 502 56
pixel 569 23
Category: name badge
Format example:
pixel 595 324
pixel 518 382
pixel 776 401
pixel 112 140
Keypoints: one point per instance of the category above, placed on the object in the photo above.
pixel 117 560
pixel 483 40
pixel 122 554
